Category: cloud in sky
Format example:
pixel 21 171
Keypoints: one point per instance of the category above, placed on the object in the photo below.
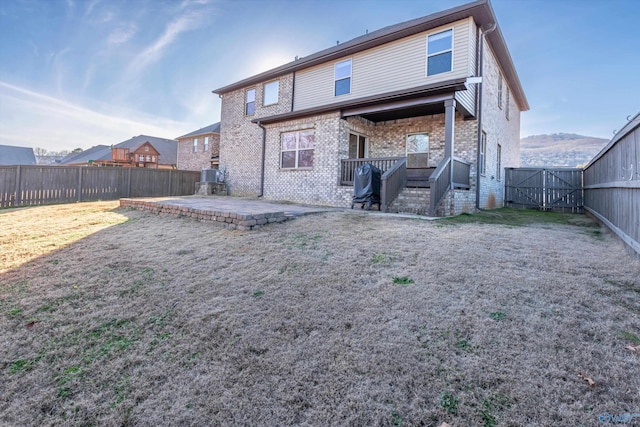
pixel 41 120
pixel 122 34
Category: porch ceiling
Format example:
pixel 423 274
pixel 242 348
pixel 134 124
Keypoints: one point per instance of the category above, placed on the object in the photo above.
pixel 404 112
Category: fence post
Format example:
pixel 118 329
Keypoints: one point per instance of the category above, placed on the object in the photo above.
pixel 79 183
pixel 129 182
pixel 169 193
pixel 18 185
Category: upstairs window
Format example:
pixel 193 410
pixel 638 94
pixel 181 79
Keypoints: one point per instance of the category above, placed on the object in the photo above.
pixel 271 93
pixel 500 90
pixel 297 149
pixel 206 143
pixel 440 53
pixel 195 145
pixel 342 76
pixel 250 102
pixel 506 105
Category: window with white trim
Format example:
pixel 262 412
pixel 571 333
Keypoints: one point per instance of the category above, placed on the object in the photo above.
pixel 499 163
pixel 270 93
pixel 440 53
pixel 206 143
pixel 482 166
pixel 506 107
pixel 250 102
pixel 342 78
pixel 499 90
pixel 297 149
pixel 195 145
pixel 417 150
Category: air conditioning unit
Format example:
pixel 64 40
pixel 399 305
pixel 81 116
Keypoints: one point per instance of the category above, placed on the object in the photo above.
pixel 210 175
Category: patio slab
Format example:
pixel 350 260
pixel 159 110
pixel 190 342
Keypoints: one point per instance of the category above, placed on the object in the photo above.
pixel 235 212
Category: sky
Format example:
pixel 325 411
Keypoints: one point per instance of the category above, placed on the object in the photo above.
pixel 79 73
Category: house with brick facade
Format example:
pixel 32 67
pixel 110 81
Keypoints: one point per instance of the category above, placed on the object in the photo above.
pixel 434 102
pixel 199 149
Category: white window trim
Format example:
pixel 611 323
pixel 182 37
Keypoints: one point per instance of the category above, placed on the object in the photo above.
pixel 499 162
pixel 246 100
pixel 206 143
pixel 506 106
pixel 195 145
pixel 406 146
pixel 264 91
pixel 335 67
pixel 297 149
pixel 500 89
pixel 483 154
pixel 426 65
pixel 366 142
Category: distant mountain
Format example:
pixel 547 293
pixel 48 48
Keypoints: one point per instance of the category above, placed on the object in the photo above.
pixel 559 149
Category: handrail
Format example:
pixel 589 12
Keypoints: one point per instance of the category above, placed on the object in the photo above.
pixel 440 182
pixel 349 166
pixel 393 181
pixel 461 173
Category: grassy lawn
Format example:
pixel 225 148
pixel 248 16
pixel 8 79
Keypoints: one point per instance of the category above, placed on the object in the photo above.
pixel 120 317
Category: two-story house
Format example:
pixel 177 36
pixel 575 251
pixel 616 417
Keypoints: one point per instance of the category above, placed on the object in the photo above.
pixel 199 149
pixel 434 102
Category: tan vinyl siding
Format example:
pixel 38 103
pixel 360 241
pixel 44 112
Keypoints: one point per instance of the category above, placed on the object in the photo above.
pixel 468 97
pixel 394 66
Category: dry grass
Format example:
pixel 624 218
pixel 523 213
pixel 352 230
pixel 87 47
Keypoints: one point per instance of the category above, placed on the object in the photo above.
pixel 341 318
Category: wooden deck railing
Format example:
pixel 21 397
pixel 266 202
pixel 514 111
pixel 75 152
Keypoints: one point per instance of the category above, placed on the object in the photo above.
pixel 393 181
pixel 461 173
pixel 440 182
pixel 349 166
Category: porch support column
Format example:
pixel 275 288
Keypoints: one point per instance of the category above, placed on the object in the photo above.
pixel 449 120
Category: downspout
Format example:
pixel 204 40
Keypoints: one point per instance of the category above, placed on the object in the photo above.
pixel 480 73
pixel 264 149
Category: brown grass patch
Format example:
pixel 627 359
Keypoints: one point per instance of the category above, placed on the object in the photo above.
pixel 340 318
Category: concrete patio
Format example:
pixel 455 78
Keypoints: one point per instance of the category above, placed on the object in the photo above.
pixel 235 212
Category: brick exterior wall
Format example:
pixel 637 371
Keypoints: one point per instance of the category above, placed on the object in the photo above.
pixel 201 159
pixel 241 140
pixel 499 130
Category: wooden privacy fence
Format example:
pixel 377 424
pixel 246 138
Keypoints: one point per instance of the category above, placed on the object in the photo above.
pixel 38 185
pixel 544 188
pixel 612 184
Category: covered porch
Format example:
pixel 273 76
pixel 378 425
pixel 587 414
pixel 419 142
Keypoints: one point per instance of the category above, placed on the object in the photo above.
pixel 412 142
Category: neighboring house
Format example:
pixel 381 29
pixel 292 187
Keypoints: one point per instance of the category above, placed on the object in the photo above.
pixel 413 98
pixel 140 151
pixel 87 157
pixel 199 149
pixel 11 156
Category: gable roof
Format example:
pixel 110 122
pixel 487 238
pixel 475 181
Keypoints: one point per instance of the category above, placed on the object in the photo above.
pixel 99 152
pixel 214 128
pixel 480 10
pixel 10 155
pixel 167 148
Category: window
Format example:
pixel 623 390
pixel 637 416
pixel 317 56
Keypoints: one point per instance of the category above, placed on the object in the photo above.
pixel 195 145
pixel 506 106
pixel 499 90
pixel 146 148
pixel 297 149
pixel 440 53
pixel 482 167
pixel 418 150
pixel 250 102
pixel 499 163
pixel 153 159
pixel 141 157
pixel 357 146
pixel 148 158
pixel 271 93
pixel 342 75
pixel 206 143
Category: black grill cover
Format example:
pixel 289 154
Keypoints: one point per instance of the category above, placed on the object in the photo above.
pixel 366 184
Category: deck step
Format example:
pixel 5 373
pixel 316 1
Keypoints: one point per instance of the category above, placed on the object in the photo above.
pixel 412 200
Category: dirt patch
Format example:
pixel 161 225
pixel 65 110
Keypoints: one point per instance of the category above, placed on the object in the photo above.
pixel 340 318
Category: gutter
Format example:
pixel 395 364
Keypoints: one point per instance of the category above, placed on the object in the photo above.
pixel 264 149
pixel 479 97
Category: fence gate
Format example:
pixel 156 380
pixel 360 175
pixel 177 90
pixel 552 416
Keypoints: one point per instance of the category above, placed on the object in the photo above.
pixel 544 188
